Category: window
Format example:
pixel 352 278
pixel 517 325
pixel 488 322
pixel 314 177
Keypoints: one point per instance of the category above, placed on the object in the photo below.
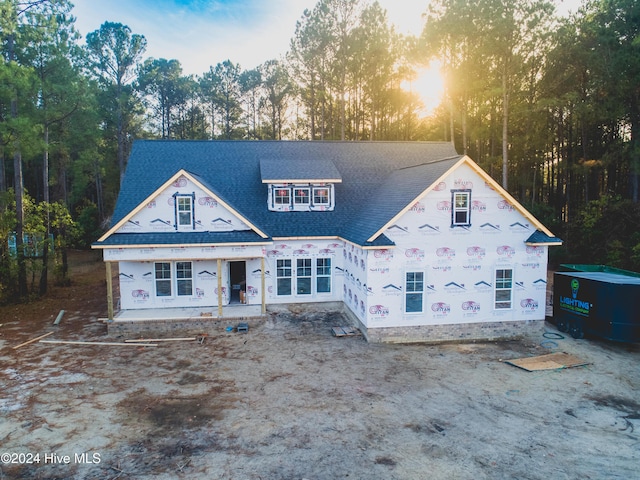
pixel 184 278
pixel 461 207
pixel 282 196
pixel 184 206
pixel 321 196
pixel 323 275
pixel 309 277
pixel 303 276
pixel 163 279
pixel 414 288
pixel 283 277
pixel 301 196
pixel 503 288
pixel 166 272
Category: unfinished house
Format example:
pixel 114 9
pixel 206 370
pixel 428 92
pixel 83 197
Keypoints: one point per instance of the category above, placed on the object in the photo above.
pixel 413 241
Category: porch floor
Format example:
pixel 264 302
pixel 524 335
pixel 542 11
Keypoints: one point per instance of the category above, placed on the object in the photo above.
pixel 189 313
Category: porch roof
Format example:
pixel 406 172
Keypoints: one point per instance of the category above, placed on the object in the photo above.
pixel 182 239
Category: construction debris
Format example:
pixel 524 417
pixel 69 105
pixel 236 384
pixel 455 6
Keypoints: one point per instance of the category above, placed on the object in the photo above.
pixel 101 343
pixel 33 340
pixel 58 318
pixel 345 331
pixel 552 361
pixel 178 339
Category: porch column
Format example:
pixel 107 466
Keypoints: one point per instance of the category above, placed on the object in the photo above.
pixel 262 286
pixel 109 292
pixel 219 274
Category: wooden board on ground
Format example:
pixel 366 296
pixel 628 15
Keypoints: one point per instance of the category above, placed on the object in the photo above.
pixel 551 361
pixel 116 344
pixel 345 331
pixel 151 340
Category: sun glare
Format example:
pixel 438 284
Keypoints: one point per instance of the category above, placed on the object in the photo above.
pixel 428 84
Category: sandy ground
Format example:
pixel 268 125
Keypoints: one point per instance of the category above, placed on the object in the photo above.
pixel 287 400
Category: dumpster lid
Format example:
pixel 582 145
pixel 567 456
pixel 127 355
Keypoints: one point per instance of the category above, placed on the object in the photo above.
pixel 572 267
pixel 608 277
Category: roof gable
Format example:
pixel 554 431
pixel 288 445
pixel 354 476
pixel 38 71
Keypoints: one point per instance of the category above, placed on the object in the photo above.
pixel 507 196
pixel 121 225
pixel 418 181
pixel 433 174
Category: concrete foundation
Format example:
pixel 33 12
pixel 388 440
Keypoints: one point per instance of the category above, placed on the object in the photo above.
pixel 177 327
pixel 463 332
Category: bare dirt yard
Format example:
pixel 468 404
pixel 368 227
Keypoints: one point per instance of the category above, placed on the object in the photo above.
pixel 288 400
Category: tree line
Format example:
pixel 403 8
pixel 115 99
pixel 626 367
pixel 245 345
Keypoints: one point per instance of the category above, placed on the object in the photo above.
pixel 548 105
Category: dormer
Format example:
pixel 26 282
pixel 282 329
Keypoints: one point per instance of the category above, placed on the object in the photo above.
pixel 300 185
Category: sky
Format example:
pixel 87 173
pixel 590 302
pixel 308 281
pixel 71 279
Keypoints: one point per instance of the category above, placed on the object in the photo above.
pixel 203 33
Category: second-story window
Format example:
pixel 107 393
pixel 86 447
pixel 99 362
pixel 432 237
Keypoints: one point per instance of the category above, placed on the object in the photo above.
pixel 301 196
pixel 460 208
pixel 184 211
pixel 321 196
pixel 282 196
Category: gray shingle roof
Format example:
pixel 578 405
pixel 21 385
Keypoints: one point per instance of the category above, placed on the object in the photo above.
pixel 378 180
pixel 275 169
pixel 183 238
pixel 539 237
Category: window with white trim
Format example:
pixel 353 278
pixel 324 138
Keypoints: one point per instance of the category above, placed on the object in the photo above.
pixel 282 196
pixel 323 275
pixel 503 290
pixel 303 276
pixel 163 279
pixel 173 277
pixel 184 279
pixel 283 277
pixel 414 290
pixel 301 196
pixel 460 207
pixel 321 196
pixel 184 211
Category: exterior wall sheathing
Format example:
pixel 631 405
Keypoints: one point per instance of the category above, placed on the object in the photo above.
pixel 458 265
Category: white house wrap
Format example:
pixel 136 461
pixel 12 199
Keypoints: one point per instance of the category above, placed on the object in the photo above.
pixel 417 242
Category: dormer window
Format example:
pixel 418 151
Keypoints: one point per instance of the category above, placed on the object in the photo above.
pixel 303 184
pixel 321 196
pixel 301 196
pixel 282 196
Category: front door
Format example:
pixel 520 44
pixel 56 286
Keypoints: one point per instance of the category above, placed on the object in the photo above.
pixel 238 280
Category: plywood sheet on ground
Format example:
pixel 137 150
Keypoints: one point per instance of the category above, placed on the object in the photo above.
pixel 552 361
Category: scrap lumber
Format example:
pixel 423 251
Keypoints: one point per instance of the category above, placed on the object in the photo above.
pixel 177 339
pixel 33 340
pixel 552 361
pixel 59 317
pixel 345 331
pixel 116 344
